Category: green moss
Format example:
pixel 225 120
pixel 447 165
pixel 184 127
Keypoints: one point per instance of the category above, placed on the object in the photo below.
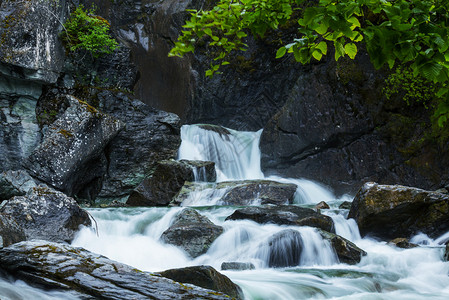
pixel 66 133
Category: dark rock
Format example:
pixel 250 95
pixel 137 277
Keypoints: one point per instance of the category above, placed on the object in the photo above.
pixel 192 232
pixel 347 252
pixel 446 252
pixel 149 136
pixel 284 215
pixel 167 179
pixel 322 205
pixel 15 183
pixel 61 266
pixel 69 156
pixel 205 277
pixel 30 40
pixel 402 243
pixel 237 266
pixel 46 214
pixel 391 211
pixel 345 205
pixel 285 248
pixel 10 232
pixel 244 192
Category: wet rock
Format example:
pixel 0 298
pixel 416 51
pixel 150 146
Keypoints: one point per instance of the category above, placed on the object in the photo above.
pixel 391 211
pixel 15 183
pixel 345 205
pixel 246 192
pixel 402 243
pixel 46 214
pixel 284 215
pixel 30 46
pixel 149 136
pixel 70 157
pixel 284 249
pixel 240 266
pixel 322 205
pixel 446 252
pixel 205 277
pixel 192 232
pixel 10 232
pixel 167 179
pixel 347 252
pixel 61 266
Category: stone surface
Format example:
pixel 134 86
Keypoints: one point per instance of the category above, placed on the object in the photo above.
pixel 245 192
pixel 284 215
pixel 391 211
pixel 192 232
pixel 446 252
pixel 68 158
pixel 46 214
pixel 149 136
pixel 167 179
pixel 15 183
pixel 322 205
pixel 345 205
pixel 237 266
pixel 10 232
pixel 402 243
pixel 347 252
pixel 284 249
pixel 205 277
pixel 61 266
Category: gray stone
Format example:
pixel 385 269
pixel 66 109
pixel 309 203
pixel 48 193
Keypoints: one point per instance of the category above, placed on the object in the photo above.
pixel 284 215
pixel 392 211
pixel 192 232
pixel 285 249
pixel 167 179
pixel 347 252
pixel 72 147
pixel 205 277
pixel 46 214
pixel 61 266
pixel 10 232
pixel 15 183
pixel 240 266
pixel 402 243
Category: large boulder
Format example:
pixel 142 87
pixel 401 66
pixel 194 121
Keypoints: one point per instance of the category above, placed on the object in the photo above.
pixel 70 157
pixel 15 183
pixel 167 179
pixel 10 232
pixel 192 232
pixel 205 277
pixel 245 192
pixel 284 215
pixel 149 136
pixel 46 214
pixel 347 252
pixel 392 211
pixel 61 266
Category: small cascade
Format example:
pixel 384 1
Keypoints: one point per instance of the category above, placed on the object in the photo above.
pixel 346 228
pixel 235 153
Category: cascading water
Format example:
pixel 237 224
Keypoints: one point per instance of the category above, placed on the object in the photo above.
pixel 131 235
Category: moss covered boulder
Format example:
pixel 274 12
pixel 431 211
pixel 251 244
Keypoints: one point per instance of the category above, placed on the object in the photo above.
pixel 392 211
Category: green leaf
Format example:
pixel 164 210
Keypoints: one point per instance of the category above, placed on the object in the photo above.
pixel 281 52
pixel 351 50
pixel 339 50
pixel 323 47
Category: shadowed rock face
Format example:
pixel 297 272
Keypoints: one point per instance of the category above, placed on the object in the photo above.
pixel 10 232
pixel 15 183
pixel 206 277
pixel 192 232
pixel 347 252
pixel 60 266
pixel 46 214
pixel 284 215
pixel 392 211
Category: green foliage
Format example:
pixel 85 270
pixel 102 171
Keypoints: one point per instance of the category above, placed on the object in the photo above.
pixel 87 31
pixel 394 32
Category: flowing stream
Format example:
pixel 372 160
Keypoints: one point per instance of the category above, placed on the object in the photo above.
pixel 131 236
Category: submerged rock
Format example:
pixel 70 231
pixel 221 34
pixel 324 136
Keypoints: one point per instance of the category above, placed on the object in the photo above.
pixel 192 232
pixel 284 249
pixel 284 215
pixel 391 211
pixel 347 252
pixel 167 179
pixel 402 243
pixel 15 183
pixel 345 205
pixel 69 158
pixel 322 205
pixel 245 192
pixel 237 266
pixel 205 277
pixel 46 214
pixel 61 266
pixel 10 232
